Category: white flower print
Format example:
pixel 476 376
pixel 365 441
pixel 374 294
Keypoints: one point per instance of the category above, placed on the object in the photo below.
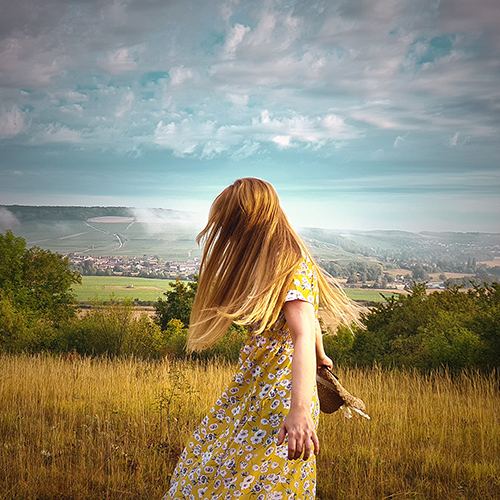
pixel 240 438
pixel 258 437
pixel 205 457
pixel 265 390
pixel 275 495
pixel 245 484
pixel 306 284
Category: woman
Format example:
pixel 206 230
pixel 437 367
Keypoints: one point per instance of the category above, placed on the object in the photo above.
pixel 256 271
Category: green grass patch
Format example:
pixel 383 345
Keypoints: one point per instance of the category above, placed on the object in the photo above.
pixel 146 289
pixel 120 287
pixel 365 295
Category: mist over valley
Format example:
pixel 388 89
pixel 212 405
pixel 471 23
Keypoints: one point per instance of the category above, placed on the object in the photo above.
pixel 170 235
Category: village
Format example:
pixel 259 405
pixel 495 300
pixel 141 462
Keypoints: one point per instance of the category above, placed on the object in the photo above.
pixel 123 265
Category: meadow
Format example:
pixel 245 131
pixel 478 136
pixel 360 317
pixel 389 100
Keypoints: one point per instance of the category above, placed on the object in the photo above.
pixel 81 428
pixel 150 289
pixel 103 288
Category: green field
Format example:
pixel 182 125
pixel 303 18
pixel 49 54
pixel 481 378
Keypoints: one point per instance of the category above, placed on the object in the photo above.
pixel 146 289
pixel 366 295
pixel 119 287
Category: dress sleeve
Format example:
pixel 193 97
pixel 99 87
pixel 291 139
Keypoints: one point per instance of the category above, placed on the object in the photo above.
pixel 304 285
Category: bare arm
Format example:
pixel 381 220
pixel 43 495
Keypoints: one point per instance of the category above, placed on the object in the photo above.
pixel 298 424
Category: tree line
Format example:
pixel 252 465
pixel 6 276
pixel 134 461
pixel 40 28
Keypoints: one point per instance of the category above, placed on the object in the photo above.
pixel 453 328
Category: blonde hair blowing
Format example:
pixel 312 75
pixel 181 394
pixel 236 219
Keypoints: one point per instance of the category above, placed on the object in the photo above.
pixel 250 256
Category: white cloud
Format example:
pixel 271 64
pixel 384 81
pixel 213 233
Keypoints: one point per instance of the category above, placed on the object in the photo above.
pixel 180 75
pixel 234 39
pixel 190 136
pixel 118 61
pixel 125 105
pixel 7 220
pixel 282 140
pixel 58 133
pixel 186 137
pixel 11 123
pixel 399 140
pixel 75 97
pixel 26 61
pixel 240 100
pixel 454 140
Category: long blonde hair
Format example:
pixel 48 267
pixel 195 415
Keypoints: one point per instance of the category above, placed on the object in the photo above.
pixel 250 256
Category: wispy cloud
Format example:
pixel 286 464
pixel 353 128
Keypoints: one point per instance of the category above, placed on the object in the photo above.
pixel 240 87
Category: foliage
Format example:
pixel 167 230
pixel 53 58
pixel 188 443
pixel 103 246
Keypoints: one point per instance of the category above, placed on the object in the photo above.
pixel 36 279
pixel 113 330
pixel 339 347
pixel 451 328
pixel 35 295
pixel 177 304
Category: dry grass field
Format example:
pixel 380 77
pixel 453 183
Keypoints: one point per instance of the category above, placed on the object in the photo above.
pixel 100 429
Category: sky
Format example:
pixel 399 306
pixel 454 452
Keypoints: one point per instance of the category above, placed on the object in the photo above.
pixel 363 114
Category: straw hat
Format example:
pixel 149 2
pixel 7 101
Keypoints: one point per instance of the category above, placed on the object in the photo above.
pixel 333 396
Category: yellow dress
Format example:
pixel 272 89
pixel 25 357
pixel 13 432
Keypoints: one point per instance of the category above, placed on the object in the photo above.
pixel 233 453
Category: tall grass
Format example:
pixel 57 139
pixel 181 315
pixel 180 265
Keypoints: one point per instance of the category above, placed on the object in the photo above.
pixel 81 428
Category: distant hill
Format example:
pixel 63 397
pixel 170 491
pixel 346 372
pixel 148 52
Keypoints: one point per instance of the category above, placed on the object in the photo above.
pixel 24 213
pixel 170 234
pixel 96 231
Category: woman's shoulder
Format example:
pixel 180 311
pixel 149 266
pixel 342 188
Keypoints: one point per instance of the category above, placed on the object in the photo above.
pixel 304 284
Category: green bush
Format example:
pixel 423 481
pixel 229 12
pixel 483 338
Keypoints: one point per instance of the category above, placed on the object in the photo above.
pixel 452 328
pixel 24 330
pixel 339 346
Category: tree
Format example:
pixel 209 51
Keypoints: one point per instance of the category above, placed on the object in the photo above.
pixel 35 279
pixel 11 267
pixel 177 305
pixel 451 328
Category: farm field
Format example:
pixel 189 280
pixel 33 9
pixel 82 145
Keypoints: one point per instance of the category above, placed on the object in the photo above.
pixel 146 289
pixel 89 429
pixel 169 239
pixel 120 287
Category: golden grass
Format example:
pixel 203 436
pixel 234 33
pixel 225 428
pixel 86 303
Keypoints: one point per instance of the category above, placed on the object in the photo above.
pixel 101 429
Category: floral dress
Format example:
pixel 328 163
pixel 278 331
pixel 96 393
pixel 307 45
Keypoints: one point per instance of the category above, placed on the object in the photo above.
pixel 233 453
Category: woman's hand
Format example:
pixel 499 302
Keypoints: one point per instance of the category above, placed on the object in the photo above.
pixel 321 358
pixel 302 437
pixel 324 360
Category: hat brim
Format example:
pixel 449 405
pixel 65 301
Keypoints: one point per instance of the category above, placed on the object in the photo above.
pixel 332 394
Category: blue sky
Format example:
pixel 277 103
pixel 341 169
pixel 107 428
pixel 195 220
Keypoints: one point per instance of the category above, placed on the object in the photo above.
pixel 363 114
